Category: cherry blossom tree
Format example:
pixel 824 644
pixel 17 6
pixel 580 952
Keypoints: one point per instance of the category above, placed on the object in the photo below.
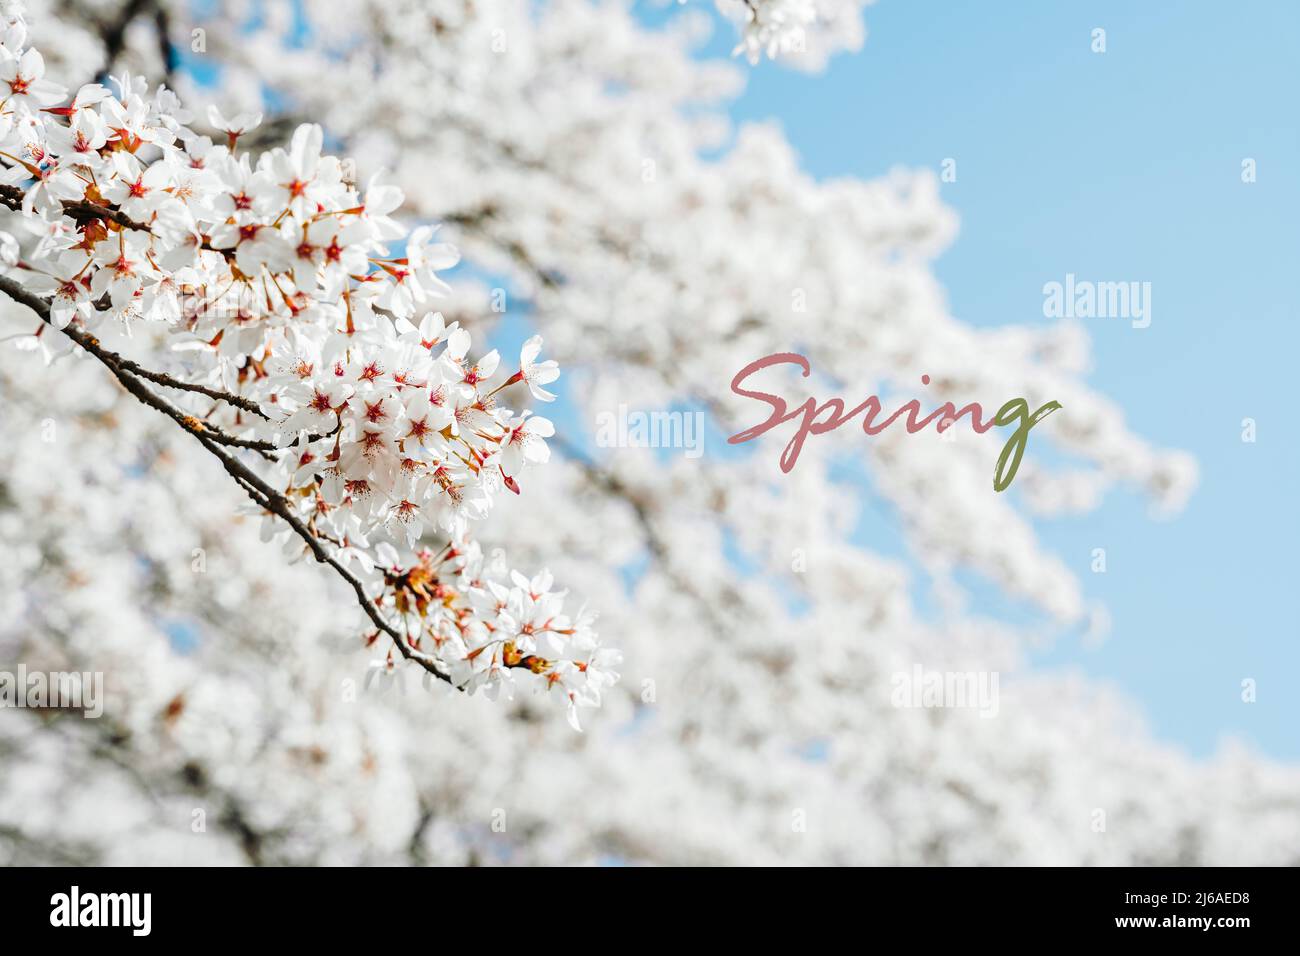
pixel 580 164
pixel 282 311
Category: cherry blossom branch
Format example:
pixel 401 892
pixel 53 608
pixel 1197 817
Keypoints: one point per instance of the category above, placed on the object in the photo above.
pixel 121 368
pixel 14 290
pixel 333 340
pixel 12 196
pixel 118 366
pixel 78 209
pixel 262 494
pixel 239 401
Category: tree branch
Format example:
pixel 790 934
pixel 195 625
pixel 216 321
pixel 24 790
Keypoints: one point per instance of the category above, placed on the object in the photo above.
pixel 257 489
pixel 162 378
pixel 77 209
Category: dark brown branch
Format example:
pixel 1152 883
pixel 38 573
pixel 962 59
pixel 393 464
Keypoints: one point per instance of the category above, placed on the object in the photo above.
pixel 78 209
pixel 83 211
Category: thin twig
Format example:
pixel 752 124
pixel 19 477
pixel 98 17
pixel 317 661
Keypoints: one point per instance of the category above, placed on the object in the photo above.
pixel 162 378
pixel 270 499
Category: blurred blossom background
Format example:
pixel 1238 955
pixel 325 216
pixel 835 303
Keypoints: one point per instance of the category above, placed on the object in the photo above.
pixel 887 195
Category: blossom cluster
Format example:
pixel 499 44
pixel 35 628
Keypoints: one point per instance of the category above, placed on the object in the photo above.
pixel 274 282
pixel 769 27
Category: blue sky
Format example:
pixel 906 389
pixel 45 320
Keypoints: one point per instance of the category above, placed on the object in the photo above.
pixel 1124 165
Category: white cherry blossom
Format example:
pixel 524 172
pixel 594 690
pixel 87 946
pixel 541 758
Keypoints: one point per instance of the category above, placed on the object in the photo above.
pixel 275 278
